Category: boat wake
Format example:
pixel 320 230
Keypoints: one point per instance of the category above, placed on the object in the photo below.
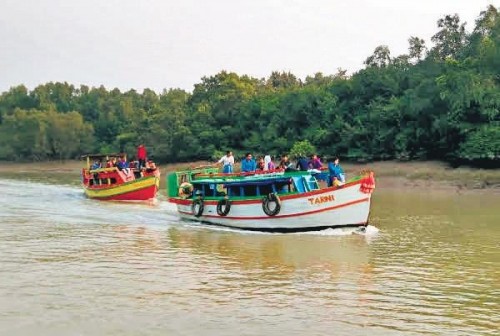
pixel 365 231
pixel 369 231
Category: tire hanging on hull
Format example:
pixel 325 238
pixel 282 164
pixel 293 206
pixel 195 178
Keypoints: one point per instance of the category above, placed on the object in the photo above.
pixel 223 207
pixel 267 200
pixel 197 207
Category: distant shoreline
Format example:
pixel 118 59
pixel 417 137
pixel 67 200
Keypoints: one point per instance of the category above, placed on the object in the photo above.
pixel 390 175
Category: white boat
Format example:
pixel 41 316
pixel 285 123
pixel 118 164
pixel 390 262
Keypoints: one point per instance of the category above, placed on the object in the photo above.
pixel 272 201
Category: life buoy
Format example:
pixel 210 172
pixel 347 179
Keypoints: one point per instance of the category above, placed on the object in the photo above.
pixel 223 207
pixel 267 200
pixel 197 207
pixel 185 189
pixel 368 184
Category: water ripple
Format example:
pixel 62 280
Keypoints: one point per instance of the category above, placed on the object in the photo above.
pixel 71 264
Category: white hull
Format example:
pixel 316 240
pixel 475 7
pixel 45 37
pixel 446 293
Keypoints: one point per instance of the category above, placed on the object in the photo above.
pixel 330 207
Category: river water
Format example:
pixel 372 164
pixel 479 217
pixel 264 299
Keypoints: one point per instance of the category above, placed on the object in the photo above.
pixel 74 266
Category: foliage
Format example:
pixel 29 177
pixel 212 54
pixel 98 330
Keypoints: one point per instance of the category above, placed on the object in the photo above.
pixel 439 103
pixel 302 148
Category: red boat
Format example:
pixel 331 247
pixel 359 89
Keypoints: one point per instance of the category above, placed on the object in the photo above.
pixel 114 184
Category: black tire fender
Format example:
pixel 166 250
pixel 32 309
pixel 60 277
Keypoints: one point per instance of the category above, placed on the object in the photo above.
pixel 271 198
pixel 223 207
pixel 197 207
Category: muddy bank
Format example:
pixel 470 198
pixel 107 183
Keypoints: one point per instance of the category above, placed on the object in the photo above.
pixel 402 176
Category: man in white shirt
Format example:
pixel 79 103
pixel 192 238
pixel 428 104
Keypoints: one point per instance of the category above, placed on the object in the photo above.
pixel 227 162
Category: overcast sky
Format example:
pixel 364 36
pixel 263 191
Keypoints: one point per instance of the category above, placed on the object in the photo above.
pixel 161 44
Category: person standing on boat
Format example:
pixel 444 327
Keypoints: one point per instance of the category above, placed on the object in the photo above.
pixel 141 156
pixel 227 162
pixel 248 164
pixel 336 172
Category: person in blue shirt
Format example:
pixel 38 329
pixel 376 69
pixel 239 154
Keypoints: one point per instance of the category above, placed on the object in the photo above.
pixel 302 163
pixel 95 165
pixel 336 171
pixel 248 164
pixel 122 164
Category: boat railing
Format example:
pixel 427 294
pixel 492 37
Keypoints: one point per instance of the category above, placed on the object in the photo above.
pixel 257 173
pixel 103 170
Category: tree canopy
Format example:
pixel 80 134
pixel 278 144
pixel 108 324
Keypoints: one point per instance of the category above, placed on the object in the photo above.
pixel 440 102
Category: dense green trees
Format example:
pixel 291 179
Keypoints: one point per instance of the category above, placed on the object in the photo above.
pixel 441 102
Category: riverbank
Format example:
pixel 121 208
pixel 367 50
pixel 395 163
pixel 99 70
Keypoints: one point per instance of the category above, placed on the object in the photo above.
pixel 389 174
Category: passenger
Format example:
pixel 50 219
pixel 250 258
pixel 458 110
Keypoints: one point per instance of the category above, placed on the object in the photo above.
pixel 150 166
pixel 248 164
pixel 122 164
pixel 141 156
pixel 268 163
pixel 336 172
pixel 227 162
pixel 96 165
pixel 111 163
pixel 315 163
pixel 132 164
pixel 302 163
pixel 285 164
pixel 261 165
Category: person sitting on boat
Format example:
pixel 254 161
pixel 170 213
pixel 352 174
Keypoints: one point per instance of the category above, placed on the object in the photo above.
pixel 315 162
pixel 261 165
pixel 336 172
pixel 268 163
pixel 132 163
pixel 150 166
pixel 227 162
pixel 285 164
pixel 111 163
pixel 302 163
pixel 122 164
pixel 96 165
pixel 248 164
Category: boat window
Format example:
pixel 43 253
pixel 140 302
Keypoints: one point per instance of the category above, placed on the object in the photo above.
pixel 234 191
pixel 250 190
pixel 266 189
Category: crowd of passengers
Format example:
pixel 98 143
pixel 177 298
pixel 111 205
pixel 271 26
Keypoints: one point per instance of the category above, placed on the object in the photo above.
pixel 314 165
pixel 142 163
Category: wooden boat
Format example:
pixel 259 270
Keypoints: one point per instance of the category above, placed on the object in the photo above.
pixel 272 201
pixel 119 185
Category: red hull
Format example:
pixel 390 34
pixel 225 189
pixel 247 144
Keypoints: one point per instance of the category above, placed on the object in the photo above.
pixel 136 195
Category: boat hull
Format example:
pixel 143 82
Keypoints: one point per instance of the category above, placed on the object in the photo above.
pixel 316 210
pixel 142 189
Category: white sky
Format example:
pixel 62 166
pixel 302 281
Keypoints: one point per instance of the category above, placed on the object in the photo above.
pixel 161 44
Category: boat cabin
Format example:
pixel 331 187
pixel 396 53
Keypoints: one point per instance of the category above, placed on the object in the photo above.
pixel 210 184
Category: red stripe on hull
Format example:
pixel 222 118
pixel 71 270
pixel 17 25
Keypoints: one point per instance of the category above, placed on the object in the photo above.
pixel 286 216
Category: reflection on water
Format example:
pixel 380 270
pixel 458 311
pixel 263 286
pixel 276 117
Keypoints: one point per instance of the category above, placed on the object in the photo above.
pixel 70 265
